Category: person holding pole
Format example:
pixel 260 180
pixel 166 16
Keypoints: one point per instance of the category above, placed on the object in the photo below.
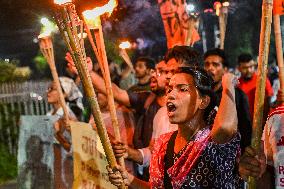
pixel 248 82
pixel 197 155
pixel 215 62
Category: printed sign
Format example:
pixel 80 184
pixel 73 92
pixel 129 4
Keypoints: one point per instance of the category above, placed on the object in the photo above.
pixel 35 153
pixel 89 158
pixel 176 22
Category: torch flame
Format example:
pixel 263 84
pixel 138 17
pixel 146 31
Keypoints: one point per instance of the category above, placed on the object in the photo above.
pixel 217 6
pixel 125 45
pixel 98 11
pixel 61 2
pixel 226 4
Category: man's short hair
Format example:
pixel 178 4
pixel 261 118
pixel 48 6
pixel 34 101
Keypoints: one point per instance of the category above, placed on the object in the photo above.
pixel 184 55
pixel 217 52
pixel 149 62
pixel 244 58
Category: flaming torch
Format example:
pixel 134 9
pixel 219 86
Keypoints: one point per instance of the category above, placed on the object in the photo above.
pixel 123 53
pixel 70 26
pixel 264 43
pixel 46 47
pixel 222 12
pixel 100 52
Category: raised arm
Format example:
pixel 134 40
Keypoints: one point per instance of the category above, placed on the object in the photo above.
pixel 98 82
pixel 119 94
pixel 225 123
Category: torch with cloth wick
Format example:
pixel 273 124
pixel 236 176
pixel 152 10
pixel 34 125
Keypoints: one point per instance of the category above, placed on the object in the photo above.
pixel 123 53
pixel 46 47
pixel 222 13
pixel 193 24
pixel 70 26
pixel 92 20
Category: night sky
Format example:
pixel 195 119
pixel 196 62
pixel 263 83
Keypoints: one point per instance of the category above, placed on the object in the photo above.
pixel 20 25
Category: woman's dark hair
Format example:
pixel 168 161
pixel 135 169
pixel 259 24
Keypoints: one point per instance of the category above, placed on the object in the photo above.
pixel 185 55
pixel 204 84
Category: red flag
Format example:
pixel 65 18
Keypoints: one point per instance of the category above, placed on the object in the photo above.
pixel 175 21
pixel 278 7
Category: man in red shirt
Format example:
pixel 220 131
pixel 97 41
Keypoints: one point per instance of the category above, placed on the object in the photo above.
pixel 248 82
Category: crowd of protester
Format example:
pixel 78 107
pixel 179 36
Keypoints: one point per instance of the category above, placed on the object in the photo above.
pixel 185 121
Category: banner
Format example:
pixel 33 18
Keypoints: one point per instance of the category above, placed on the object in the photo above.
pixel 176 22
pixel 89 158
pixel 35 153
pixel 278 7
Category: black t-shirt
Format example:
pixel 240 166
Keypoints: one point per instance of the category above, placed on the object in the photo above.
pixel 244 119
pixel 144 124
pixel 138 88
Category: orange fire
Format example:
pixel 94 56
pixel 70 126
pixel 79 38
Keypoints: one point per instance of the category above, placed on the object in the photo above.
pixel 217 6
pixel 61 2
pixel 125 45
pixel 226 4
pixel 98 11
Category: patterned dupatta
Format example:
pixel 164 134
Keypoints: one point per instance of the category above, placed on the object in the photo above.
pixel 183 165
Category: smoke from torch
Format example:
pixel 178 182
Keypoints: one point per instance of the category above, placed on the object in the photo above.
pixel 123 46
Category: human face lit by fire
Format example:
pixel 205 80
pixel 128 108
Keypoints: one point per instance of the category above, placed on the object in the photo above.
pixel 183 99
pixel 247 69
pixel 158 78
pixel 172 67
pixel 214 65
pixel 141 70
pixel 52 94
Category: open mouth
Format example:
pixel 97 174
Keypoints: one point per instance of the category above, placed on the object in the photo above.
pixel 171 107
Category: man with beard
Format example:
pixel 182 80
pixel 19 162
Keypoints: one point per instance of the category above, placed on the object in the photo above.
pixel 143 68
pixel 215 62
pixel 248 83
pixel 175 57
pixel 141 154
pixel 145 104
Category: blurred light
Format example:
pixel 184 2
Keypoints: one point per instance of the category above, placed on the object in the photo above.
pixel 7 60
pixel 190 7
pixel 226 4
pixel 125 45
pixel 98 11
pixel 61 2
pixel 44 21
pixel 208 10
pixel 47 27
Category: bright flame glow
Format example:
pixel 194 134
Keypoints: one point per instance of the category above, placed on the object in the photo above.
pixel 226 4
pixel 125 45
pixel 44 21
pixel 190 7
pixel 44 35
pixel 98 11
pixel 47 28
pixel 61 2
pixel 217 6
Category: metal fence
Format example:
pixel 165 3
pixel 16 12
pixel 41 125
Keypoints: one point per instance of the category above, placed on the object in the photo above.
pixel 16 99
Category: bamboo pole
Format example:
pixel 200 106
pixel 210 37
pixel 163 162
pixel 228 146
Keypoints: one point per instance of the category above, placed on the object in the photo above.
pixel 105 72
pixel 279 50
pixel 64 17
pixel 102 52
pixel 223 24
pixel 191 23
pixel 261 79
pixel 123 53
pixel 46 48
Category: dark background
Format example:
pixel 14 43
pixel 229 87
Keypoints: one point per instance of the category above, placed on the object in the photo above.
pixel 20 26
